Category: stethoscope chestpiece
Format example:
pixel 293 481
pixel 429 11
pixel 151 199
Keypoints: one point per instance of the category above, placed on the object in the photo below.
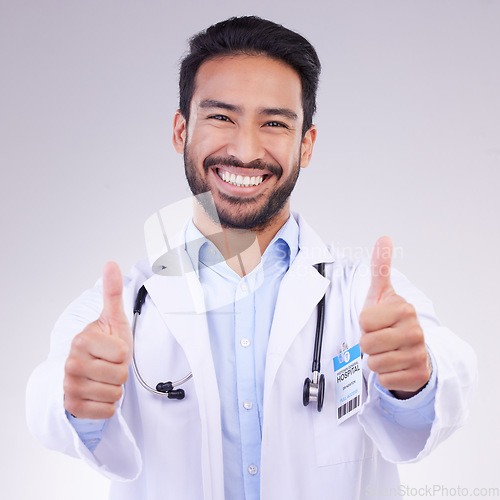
pixel 314 390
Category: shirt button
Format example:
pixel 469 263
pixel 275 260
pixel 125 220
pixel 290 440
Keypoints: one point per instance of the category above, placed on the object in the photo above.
pixel 245 342
pixel 252 469
pixel 248 405
pixel 244 286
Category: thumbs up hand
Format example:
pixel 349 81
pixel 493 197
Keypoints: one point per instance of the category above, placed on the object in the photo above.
pixel 97 365
pixel 392 334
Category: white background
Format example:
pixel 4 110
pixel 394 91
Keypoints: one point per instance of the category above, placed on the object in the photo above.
pixel 408 145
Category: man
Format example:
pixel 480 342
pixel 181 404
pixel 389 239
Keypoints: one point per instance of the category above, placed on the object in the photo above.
pixel 247 98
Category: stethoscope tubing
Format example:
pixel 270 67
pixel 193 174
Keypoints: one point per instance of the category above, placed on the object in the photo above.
pixel 318 339
pixel 139 302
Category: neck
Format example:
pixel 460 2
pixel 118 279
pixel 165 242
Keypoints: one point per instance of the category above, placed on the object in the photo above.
pixel 241 248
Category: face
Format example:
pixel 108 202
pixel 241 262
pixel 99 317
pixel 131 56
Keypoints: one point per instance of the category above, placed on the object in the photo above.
pixel 244 139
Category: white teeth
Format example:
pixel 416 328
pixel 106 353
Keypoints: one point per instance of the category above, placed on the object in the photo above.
pixel 239 180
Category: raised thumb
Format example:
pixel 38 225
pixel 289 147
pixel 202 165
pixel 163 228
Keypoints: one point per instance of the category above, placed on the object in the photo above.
pixel 380 271
pixel 112 288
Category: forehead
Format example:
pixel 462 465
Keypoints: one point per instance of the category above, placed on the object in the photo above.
pixel 249 80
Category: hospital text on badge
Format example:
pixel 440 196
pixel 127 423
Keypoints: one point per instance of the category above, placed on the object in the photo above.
pixel 349 382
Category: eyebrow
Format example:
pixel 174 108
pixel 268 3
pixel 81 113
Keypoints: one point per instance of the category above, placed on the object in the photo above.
pixel 214 103
pixel 286 113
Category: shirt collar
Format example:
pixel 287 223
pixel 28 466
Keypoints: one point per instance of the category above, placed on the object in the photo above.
pixel 284 245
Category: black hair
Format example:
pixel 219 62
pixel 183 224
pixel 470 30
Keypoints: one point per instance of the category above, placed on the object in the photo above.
pixel 253 36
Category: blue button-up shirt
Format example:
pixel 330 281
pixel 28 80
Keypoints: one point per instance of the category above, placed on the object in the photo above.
pixel 240 315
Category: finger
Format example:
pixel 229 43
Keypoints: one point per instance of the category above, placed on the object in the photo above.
pixel 380 271
pixel 411 380
pixel 97 370
pixel 108 373
pixel 391 361
pixel 89 409
pixel 395 310
pixel 381 341
pixel 89 390
pixel 92 344
pixel 112 288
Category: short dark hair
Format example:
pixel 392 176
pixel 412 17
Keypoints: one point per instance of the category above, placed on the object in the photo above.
pixel 253 36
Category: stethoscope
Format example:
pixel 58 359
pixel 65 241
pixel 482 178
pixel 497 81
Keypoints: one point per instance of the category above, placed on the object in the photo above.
pixel 162 388
pixel 314 390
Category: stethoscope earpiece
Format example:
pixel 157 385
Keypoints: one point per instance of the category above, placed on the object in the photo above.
pixel 168 389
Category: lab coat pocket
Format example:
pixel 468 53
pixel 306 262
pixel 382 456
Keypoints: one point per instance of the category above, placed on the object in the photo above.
pixel 339 443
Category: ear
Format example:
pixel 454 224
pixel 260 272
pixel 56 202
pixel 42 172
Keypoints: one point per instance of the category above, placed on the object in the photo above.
pixel 179 135
pixel 307 146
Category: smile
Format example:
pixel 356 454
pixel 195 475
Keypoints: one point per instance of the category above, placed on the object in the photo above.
pixel 239 180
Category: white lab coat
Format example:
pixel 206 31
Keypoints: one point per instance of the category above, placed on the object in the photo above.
pixel 155 448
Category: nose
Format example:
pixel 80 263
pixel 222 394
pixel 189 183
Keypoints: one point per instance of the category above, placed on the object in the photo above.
pixel 246 145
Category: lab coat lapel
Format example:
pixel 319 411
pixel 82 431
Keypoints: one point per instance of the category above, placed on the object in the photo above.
pixel 180 302
pixel 300 291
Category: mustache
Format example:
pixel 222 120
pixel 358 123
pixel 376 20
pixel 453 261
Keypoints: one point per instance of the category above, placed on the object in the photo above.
pixel 234 162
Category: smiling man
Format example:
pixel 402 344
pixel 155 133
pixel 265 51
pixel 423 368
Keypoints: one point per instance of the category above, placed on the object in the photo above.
pixel 394 384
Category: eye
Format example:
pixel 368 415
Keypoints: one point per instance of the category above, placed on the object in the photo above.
pixel 276 124
pixel 222 118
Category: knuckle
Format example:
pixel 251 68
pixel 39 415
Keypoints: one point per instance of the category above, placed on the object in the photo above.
pixel 364 344
pixel 423 372
pixel 118 393
pixel 407 310
pixel 383 380
pixel 123 349
pixel 415 335
pixel 81 342
pixel 68 385
pixel 74 406
pixel 364 320
pixel 373 364
pixel 410 310
pixel 72 366
pixel 109 410
pixel 123 375
pixel 422 357
pixel 111 394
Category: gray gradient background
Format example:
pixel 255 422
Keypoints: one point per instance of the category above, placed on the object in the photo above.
pixel 408 145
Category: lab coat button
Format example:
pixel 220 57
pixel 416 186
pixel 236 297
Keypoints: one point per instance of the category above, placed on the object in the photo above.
pixel 245 342
pixel 244 286
pixel 248 405
pixel 252 469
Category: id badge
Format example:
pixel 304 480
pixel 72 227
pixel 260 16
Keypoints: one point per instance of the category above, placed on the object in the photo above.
pixel 349 382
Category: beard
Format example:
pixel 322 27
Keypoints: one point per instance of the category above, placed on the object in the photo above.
pixel 255 212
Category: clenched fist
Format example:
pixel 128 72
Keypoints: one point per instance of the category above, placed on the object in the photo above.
pixel 98 362
pixel 392 334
